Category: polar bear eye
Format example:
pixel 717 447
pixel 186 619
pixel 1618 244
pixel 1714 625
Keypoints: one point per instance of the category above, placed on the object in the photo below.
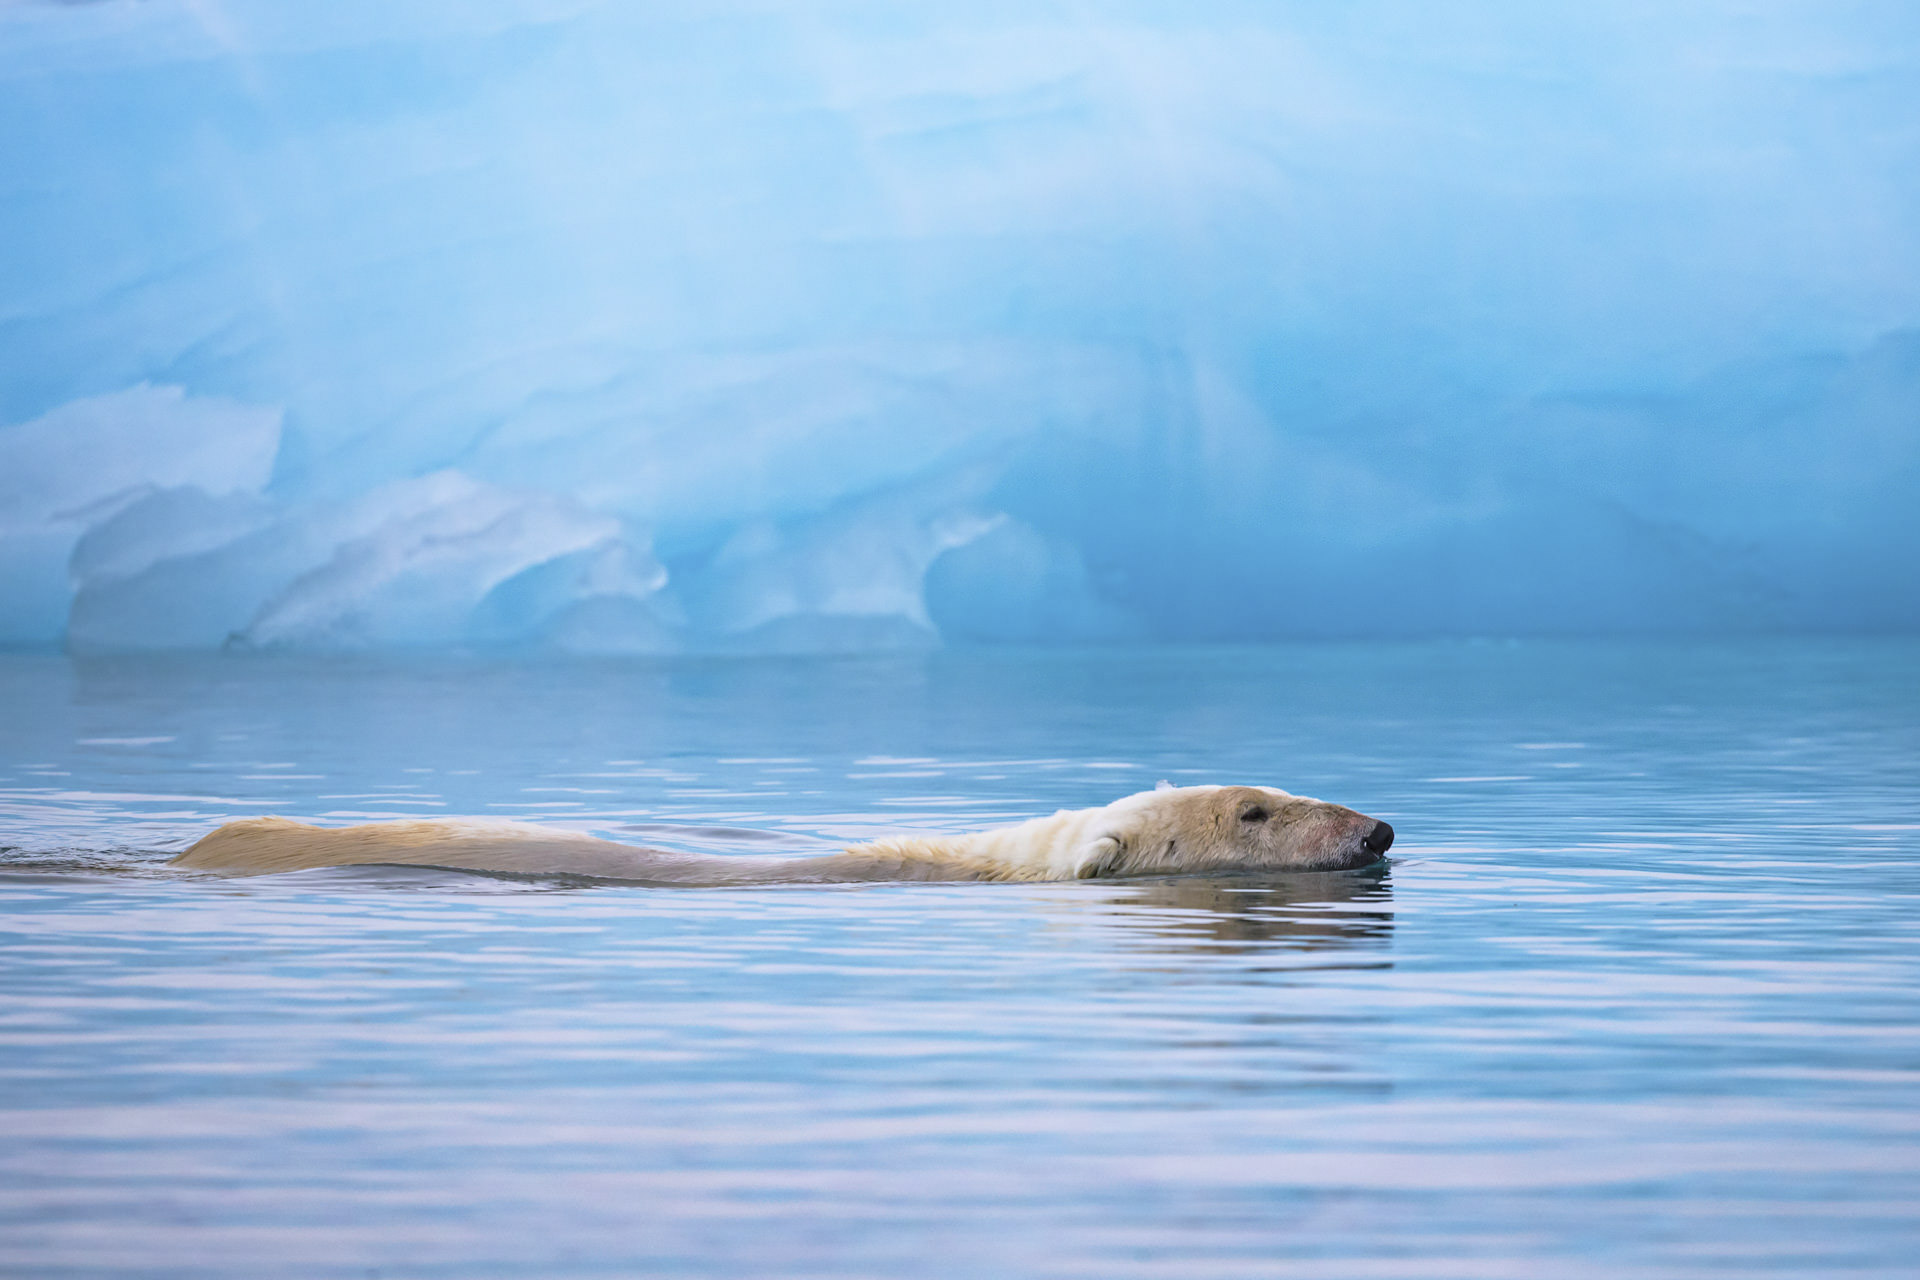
pixel 1253 814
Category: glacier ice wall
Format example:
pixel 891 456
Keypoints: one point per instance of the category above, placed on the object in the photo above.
pixel 796 326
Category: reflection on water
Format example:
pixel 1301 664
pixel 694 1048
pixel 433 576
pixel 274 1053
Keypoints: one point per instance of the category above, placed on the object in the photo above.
pixel 1640 993
pixel 1315 910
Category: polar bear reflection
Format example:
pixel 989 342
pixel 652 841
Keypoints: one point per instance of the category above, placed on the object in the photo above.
pixel 1315 911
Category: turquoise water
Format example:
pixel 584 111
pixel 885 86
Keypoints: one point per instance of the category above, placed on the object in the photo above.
pixel 1639 993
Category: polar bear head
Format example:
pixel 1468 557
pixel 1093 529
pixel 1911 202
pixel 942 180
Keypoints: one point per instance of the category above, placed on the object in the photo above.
pixel 1182 830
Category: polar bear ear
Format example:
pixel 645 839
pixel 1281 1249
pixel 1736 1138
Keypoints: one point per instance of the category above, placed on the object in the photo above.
pixel 1102 858
pixel 1163 785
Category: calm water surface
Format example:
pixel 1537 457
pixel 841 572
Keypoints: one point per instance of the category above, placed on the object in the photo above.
pixel 1639 993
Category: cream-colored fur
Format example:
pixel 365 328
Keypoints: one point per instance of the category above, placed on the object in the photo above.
pixel 1171 831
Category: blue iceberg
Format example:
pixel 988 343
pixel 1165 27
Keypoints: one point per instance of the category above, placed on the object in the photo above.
pixel 559 325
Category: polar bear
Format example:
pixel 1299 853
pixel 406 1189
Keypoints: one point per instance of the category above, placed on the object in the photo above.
pixel 1169 831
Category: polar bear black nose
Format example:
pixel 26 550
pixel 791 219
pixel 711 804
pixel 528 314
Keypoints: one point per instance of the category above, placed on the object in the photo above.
pixel 1378 840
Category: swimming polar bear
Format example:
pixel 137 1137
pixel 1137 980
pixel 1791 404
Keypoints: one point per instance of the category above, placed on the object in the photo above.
pixel 1170 831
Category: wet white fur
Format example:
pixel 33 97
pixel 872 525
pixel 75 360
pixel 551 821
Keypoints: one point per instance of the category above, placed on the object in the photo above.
pixel 1169 831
